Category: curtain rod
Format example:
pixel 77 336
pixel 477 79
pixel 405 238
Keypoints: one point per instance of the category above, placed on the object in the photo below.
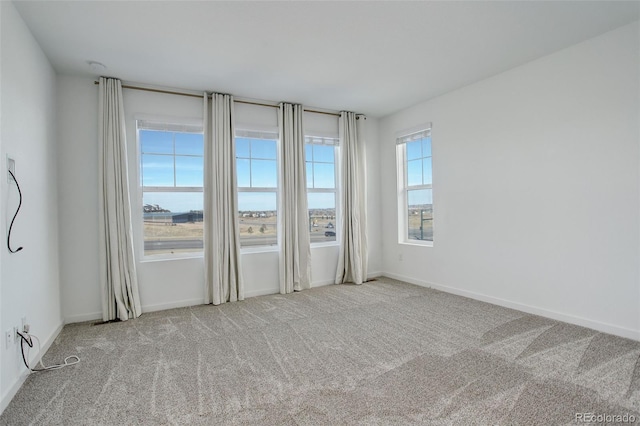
pixel 170 92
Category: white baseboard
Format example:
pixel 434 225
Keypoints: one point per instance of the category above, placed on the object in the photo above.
pixel 267 291
pixel 93 316
pixel 559 316
pixel 19 381
pixel 97 316
pixel 173 305
pixel 262 292
pixel 371 275
pixel 322 283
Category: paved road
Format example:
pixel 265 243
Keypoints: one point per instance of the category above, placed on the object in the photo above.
pixel 197 244
pixel 172 244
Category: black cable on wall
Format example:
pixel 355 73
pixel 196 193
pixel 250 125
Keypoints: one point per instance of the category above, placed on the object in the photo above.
pixel 14 216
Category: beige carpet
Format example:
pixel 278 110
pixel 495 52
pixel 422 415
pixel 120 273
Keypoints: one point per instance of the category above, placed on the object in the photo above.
pixel 385 352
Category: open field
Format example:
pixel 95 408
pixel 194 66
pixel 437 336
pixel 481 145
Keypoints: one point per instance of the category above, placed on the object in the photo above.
pixel 263 230
pixel 163 231
pixel 166 237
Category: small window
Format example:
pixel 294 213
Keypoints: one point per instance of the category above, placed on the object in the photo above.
pixel 320 155
pixel 257 175
pixel 171 177
pixel 415 187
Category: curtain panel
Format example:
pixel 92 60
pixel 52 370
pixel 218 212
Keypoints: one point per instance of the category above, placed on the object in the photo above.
pixel 118 276
pixel 352 260
pixel 295 246
pixel 223 272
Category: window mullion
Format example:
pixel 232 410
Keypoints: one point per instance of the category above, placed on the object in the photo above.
pixel 175 180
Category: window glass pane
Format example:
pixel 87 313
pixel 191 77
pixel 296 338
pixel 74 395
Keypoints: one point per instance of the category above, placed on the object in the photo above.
pixel 242 148
pixel 189 171
pixel 155 142
pixel 323 175
pixel 322 216
pixel 173 202
pixel 258 218
pixel 414 150
pixel 309 175
pixel 172 222
pixel 426 170
pixel 189 144
pixel 426 147
pixel 244 176
pixel 420 197
pixel 263 148
pixel 264 174
pixel 157 170
pixel 257 201
pixel 308 152
pixel 323 153
pixel 420 211
pixel 414 172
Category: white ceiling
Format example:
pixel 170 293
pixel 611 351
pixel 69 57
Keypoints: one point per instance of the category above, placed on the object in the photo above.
pixel 370 57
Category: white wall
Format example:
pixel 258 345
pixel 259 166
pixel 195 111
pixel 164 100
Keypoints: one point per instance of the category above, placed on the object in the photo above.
pixel 374 201
pixel 535 187
pixel 77 156
pixel 169 283
pixel 29 279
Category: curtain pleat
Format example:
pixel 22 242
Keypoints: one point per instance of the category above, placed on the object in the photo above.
pixel 352 260
pixel 118 276
pixel 223 272
pixel 295 247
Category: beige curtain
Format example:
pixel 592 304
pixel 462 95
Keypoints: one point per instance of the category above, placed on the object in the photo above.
pixel 295 247
pixel 223 272
pixel 352 260
pixel 118 277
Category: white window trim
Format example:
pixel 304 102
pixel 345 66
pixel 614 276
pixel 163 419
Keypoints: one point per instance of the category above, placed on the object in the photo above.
pixel 336 190
pixel 403 188
pixel 267 247
pixel 139 239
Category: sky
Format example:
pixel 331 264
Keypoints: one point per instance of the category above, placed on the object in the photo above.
pixel 419 171
pixel 256 168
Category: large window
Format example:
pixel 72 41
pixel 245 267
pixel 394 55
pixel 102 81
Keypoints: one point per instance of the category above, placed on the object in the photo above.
pixel 320 156
pixel 171 176
pixel 257 165
pixel 415 205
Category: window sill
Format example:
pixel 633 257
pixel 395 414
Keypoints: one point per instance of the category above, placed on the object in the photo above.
pixel 327 244
pixel 417 243
pixel 169 257
pixel 259 249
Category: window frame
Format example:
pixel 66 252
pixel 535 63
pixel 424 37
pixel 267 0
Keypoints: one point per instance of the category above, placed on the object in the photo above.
pixel 247 130
pixel 403 187
pixel 188 125
pixel 335 190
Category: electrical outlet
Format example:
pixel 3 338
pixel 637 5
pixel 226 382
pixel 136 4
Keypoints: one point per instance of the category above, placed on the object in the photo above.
pixel 400 257
pixel 11 167
pixel 8 338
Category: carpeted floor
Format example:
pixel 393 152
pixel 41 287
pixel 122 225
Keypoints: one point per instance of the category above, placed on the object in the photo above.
pixel 384 352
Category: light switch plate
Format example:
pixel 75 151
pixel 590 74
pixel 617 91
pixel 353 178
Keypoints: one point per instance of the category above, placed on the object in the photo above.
pixel 11 167
pixel 8 338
